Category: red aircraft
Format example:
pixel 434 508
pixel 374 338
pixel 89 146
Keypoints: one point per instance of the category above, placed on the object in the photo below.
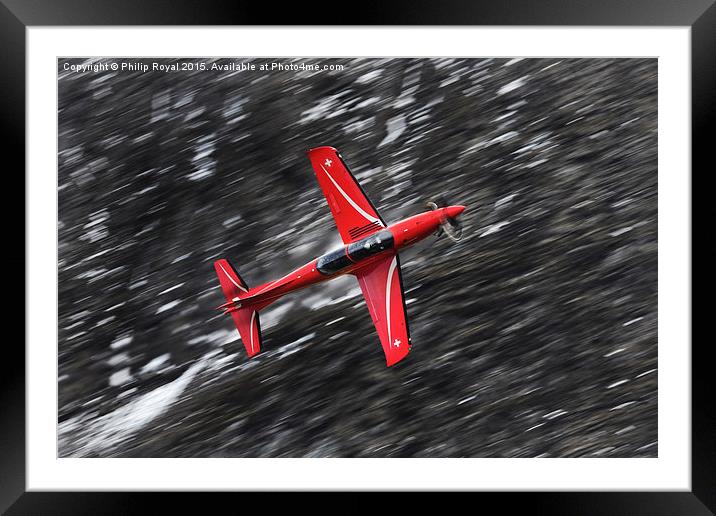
pixel 370 253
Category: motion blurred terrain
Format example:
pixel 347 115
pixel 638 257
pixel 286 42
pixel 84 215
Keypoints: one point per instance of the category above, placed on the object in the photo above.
pixel 534 336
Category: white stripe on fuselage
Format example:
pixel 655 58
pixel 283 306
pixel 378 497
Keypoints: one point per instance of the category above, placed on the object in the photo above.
pixel 368 217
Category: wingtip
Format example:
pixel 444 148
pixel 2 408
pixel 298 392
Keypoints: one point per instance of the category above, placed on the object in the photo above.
pixel 395 360
pixel 323 147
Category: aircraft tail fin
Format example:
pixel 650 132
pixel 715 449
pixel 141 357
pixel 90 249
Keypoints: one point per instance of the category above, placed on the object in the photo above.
pixel 245 317
pixel 233 286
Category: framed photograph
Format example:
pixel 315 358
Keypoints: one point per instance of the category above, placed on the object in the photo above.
pixel 422 251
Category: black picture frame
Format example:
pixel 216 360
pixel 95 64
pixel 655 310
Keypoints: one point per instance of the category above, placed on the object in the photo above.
pixel 17 15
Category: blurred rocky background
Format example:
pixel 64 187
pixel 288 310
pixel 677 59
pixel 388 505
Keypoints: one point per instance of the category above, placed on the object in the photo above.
pixel 534 336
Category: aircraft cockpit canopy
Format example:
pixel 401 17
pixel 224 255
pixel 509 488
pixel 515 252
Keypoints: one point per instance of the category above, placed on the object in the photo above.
pixel 335 261
pixel 371 245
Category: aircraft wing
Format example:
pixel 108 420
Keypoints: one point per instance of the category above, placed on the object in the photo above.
pixel 383 291
pixel 355 215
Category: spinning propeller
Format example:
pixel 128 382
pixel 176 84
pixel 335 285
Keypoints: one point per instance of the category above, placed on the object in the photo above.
pixel 449 225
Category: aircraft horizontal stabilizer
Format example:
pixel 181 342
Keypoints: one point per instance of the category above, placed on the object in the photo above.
pixel 247 322
pixel 246 318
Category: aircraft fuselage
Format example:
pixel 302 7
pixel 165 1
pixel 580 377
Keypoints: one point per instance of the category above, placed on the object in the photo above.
pixel 354 256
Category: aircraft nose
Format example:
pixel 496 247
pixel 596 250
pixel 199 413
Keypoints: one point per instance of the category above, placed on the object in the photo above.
pixel 454 211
